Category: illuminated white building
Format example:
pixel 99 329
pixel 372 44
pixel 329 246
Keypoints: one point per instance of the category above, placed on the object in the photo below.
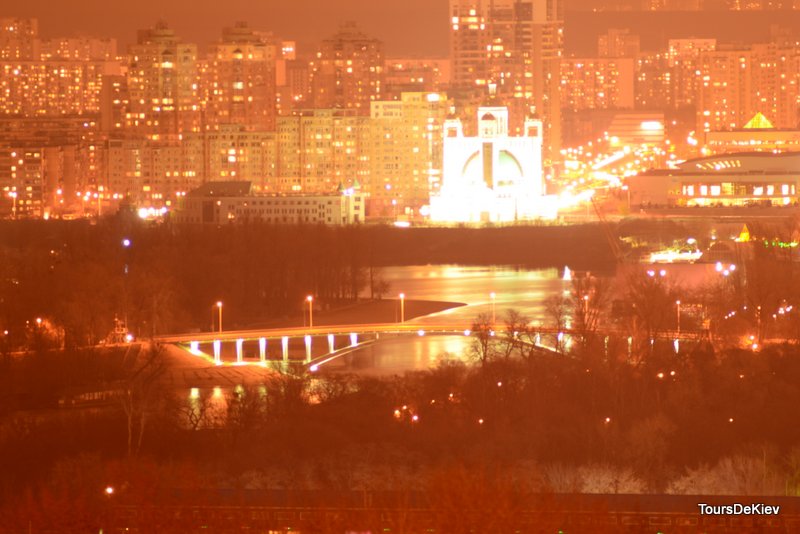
pixel 491 177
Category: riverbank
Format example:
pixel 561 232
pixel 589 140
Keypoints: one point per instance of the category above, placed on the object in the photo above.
pixel 583 247
pixel 364 312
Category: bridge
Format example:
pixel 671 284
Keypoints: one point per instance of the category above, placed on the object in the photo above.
pixel 335 341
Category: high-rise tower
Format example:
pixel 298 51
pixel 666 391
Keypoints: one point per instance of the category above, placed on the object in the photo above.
pixel 347 71
pixel 511 50
pixel 163 84
pixel 240 81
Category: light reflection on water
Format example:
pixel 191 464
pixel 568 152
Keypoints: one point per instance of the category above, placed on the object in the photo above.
pixel 398 355
pixel 524 290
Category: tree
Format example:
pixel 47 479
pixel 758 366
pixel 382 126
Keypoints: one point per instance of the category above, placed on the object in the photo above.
pixel 517 333
pixel 142 396
pixel 590 298
pixel 557 310
pixel 484 346
pixel 650 297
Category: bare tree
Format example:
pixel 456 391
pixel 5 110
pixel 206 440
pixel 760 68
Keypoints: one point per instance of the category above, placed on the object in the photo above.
pixel 651 301
pixel 198 413
pixel 141 394
pixel 590 297
pixel 484 339
pixel 515 335
pixel 557 309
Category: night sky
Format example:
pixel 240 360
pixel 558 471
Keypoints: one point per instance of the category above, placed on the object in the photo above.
pixel 407 27
pixel 413 27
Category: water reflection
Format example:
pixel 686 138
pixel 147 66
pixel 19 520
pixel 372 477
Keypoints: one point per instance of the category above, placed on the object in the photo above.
pixel 205 408
pixel 524 290
pixel 399 355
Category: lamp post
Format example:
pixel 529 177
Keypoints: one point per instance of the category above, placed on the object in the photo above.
pixel 493 296
pixel 126 245
pixel 402 307
pixel 13 195
pixel 678 306
pixel 310 301
pixel 219 309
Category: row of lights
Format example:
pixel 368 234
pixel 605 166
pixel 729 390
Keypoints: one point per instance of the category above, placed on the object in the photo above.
pixel 310 300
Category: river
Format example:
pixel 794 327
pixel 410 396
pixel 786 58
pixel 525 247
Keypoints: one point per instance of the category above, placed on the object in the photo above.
pixel 524 290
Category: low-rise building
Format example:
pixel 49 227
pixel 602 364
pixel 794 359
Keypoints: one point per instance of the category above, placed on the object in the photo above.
pixel 738 179
pixel 758 135
pixel 234 202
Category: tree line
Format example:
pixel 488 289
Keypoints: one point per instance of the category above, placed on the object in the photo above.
pixel 521 422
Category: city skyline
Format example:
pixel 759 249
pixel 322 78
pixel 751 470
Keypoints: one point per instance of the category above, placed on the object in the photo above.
pixel 94 124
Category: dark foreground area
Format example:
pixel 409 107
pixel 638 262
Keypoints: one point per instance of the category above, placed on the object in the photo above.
pixel 488 447
pixel 413 512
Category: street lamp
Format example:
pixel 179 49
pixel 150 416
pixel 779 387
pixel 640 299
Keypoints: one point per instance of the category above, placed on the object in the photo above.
pixel 310 301
pixel 13 195
pixel 402 307
pixel 219 308
pixel 493 296
pixel 678 306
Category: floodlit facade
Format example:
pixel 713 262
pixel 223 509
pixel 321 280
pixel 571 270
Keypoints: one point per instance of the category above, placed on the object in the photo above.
pixel 491 177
